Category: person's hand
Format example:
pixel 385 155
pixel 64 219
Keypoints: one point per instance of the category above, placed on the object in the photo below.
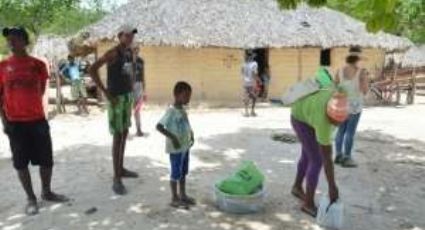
pixel 333 194
pixel 192 139
pixel 176 142
pixel 145 97
pixel 113 100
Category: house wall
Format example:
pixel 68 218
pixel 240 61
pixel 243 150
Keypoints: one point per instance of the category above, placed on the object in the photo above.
pixel 214 73
pixel 288 66
pixel 374 58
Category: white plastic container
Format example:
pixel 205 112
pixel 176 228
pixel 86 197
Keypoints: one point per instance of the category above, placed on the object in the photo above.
pixel 238 204
pixel 300 90
pixel 330 216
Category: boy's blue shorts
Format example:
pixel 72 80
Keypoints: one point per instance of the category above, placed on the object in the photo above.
pixel 179 165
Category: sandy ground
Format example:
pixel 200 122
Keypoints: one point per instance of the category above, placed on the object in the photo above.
pixel 387 192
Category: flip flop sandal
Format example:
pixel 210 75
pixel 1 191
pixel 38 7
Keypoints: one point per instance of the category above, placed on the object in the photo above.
pixel 189 201
pixel 119 189
pixel 129 174
pixel 312 213
pixel 178 205
pixel 55 198
pixel 297 194
pixel 31 208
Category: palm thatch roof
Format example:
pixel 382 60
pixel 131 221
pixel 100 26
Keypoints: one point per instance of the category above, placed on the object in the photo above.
pixel 239 24
pixel 414 57
pixel 50 47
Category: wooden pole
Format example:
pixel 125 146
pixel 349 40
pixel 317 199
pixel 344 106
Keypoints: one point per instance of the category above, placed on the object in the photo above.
pixel 398 93
pixel 413 91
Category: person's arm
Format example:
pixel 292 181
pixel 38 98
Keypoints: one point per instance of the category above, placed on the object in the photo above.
pixel 337 78
pixel 44 75
pixel 2 114
pixel 94 72
pixel 168 134
pixel 329 172
pixel 364 82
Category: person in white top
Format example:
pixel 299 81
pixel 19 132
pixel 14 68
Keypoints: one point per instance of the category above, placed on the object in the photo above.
pixel 250 79
pixel 354 80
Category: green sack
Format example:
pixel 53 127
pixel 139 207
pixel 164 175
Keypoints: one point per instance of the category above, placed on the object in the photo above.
pixel 323 77
pixel 245 181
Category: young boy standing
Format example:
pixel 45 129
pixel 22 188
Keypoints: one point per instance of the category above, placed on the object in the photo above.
pixel 175 126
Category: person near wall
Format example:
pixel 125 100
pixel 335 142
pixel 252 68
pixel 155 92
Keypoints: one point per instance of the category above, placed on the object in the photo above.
pixel 354 79
pixel 250 79
pixel 313 119
pixel 72 71
pixel 23 81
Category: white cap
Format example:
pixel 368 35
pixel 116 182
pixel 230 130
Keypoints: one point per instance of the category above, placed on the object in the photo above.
pixel 127 29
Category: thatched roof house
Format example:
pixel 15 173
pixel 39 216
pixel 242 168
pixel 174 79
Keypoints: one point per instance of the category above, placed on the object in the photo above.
pixel 414 57
pixel 240 24
pixel 203 41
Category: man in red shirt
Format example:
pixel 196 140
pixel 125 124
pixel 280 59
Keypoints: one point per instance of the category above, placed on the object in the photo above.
pixel 22 85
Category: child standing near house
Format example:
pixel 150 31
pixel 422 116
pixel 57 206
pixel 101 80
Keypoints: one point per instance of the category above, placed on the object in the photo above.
pixel 175 126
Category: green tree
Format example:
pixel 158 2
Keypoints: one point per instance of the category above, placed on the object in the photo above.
pixel 402 17
pixel 33 14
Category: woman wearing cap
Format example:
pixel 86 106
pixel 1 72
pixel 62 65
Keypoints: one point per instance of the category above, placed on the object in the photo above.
pixel 313 119
pixel 354 79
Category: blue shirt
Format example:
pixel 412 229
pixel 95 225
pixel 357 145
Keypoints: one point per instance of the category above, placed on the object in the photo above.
pixel 72 71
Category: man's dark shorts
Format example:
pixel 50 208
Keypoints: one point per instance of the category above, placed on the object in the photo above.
pixel 30 142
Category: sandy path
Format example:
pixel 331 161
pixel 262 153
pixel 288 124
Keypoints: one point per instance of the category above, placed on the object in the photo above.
pixel 386 192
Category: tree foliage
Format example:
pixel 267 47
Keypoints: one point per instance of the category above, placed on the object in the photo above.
pixel 60 17
pixel 33 14
pixel 401 17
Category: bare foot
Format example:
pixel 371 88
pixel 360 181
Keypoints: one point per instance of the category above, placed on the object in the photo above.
pixel 31 208
pixel 311 211
pixel 119 188
pixel 298 193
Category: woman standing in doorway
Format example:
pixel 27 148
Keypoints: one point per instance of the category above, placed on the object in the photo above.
pixel 355 80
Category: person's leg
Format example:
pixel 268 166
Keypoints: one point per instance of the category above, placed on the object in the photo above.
pixel 311 150
pixel 118 186
pixel 339 141
pixel 42 155
pixel 84 96
pixel 25 179
pixel 175 161
pixel 184 171
pixel 20 143
pixel 313 171
pixel 126 119
pixel 254 101
pixel 349 139
pixel 246 100
pixel 137 109
pixel 297 188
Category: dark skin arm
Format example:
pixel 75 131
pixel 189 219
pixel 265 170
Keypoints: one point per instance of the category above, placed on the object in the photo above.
pixel 364 82
pixel 109 57
pixel 329 172
pixel 2 115
pixel 169 135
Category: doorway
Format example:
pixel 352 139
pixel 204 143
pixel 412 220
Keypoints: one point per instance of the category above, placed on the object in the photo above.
pixel 261 56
